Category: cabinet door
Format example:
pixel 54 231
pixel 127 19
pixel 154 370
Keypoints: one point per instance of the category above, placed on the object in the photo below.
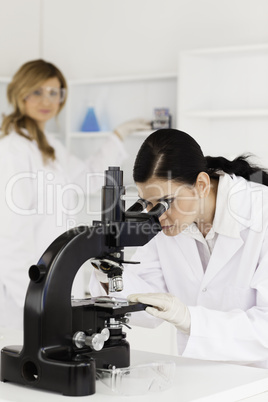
pixel 223 100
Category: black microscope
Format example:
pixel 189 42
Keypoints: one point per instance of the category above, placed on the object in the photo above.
pixel 66 340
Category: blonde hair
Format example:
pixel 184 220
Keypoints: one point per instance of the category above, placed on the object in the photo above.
pixel 27 79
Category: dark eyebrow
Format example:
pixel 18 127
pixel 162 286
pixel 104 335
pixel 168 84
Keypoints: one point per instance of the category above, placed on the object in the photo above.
pixel 166 197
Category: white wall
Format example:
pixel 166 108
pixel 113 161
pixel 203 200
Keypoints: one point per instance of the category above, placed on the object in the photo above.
pixel 124 37
pixel 89 38
pixel 19 33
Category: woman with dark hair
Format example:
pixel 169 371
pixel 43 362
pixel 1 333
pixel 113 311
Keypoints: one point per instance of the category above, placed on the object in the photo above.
pixel 206 272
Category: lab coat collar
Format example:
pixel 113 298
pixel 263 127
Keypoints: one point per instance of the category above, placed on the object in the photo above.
pixel 225 220
pixel 226 224
pixel 240 205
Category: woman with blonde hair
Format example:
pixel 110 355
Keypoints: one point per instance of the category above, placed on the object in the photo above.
pixel 41 183
pixel 25 93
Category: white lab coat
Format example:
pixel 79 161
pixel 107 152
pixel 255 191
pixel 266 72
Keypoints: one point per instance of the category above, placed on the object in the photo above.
pixel 228 302
pixel 37 201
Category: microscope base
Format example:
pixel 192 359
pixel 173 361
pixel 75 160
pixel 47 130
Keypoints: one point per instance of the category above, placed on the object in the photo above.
pixel 72 378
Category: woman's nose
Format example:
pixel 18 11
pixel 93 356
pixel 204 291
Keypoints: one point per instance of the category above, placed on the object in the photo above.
pixel 46 100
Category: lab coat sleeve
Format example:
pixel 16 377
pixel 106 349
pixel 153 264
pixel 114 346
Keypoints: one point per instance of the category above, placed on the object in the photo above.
pixel 145 277
pixel 16 252
pixel 234 336
pixel 88 174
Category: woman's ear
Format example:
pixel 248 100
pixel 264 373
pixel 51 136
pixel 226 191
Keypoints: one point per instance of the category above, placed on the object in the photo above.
pixel 202 184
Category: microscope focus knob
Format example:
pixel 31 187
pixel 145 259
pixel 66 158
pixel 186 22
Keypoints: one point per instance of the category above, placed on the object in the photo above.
pixel 95 341
pixel 105 333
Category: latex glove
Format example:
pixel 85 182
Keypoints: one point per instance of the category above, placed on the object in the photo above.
pixel 124 129
pixel 167 307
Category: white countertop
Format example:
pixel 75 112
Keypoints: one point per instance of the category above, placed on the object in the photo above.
pixel 195 381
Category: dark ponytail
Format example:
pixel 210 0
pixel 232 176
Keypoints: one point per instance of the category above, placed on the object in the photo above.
pixel 239 166
pixel 173 154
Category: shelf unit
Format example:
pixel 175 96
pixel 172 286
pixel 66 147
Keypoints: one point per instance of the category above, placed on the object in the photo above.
pixel 119 99
pixel 223 99
pixel 115 99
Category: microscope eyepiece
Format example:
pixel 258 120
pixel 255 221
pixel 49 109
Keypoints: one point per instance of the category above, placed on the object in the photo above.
pixel 160 208
pixel 139 206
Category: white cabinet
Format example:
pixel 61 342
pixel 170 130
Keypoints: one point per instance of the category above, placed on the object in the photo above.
pixel 223 99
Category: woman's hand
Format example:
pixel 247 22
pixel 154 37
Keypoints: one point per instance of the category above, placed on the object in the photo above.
pixel 167 307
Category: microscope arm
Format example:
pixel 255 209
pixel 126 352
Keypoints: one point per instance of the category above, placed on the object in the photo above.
pixel 48 300
pixel 50 357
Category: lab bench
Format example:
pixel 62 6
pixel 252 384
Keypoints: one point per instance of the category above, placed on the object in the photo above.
pixel 195 381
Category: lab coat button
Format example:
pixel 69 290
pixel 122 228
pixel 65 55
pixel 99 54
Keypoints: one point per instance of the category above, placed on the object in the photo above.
pixel 204 289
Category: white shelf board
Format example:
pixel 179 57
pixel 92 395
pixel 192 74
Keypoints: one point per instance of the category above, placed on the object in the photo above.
pixel 214 114
pixel 232 49
pixel 86 135
pixel 107 80
pixel 142 133
pixel 5 80
pixel 103 134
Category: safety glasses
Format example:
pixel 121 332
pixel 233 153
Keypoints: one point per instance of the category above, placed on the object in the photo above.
pixel 54 95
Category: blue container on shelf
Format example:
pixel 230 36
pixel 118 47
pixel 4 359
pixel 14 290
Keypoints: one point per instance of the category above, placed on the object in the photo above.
pixel 90 123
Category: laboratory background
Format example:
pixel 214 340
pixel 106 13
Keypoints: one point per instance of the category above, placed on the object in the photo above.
pixel 205 61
